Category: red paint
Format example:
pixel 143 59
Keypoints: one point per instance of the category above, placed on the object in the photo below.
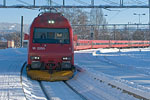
pixel 50 52
pixel 94 44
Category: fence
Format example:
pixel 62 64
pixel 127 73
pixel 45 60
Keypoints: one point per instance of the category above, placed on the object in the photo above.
pixel 113 32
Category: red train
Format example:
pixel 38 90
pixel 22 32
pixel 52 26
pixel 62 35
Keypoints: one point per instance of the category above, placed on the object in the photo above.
pixel 94 44
pixel 50 51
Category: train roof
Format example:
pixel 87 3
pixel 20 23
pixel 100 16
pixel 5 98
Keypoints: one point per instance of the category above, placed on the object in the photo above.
pixel 53 20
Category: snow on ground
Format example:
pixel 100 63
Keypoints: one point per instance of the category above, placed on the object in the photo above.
pixel 54 90
pixel 11 61
pixel 126 68
pixel 129 68
pixel 133 66
pixel 60 91
pixel 93 89
pixel 32 88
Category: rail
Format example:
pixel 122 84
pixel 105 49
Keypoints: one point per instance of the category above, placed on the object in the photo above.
pixel 117 87
pixel 21 75
pixel 42 87
pixel 83 97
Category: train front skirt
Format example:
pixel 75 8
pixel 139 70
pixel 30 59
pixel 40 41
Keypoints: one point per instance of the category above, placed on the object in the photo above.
pixel 45 75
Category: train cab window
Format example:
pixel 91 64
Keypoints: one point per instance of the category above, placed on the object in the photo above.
pixel 59 35
pixel 53 36
pixel 43 36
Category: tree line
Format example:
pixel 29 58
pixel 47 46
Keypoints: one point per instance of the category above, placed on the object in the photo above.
pixel 98 30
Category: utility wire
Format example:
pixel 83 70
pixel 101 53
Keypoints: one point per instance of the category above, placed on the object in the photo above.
pixel 110 9
pixel 140 2
pixel 24 2
pixel 56 3
pixel 117 13
pixel 107 1
pixel 81 2
pixel 135 2
pixel 110 2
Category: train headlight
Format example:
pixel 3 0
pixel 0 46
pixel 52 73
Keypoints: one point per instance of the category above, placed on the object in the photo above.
pixel 35 58
pixel 66 58
pixel 51 21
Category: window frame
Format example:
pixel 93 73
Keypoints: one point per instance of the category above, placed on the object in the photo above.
pixel 47 42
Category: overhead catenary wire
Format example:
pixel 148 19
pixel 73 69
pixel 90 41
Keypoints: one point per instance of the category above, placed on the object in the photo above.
pixel 82 2
pixel 111 2
pixel 85 4
pixel 117 13
pixel 107 1
pixel 24 2
pixel 140 2
pixel 27 4
pixel 136 2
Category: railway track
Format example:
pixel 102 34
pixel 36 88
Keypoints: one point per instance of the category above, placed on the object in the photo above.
pixel 21 79
pixel 48 93
pixel 52 94
pixel 110 62
pixel 83 97
pixel 43 87
pixel 23 76
pixel 48 96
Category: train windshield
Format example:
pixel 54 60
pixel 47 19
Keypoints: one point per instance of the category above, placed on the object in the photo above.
pixel 52 36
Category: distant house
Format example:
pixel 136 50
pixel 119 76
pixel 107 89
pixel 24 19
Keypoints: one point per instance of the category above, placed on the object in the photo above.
pixel 10 44
pixel 6 44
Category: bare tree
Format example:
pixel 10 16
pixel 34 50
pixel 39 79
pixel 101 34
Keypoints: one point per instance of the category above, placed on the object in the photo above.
pixel 13 36
pixel 97 18
pixel 77 17
pixel 138 35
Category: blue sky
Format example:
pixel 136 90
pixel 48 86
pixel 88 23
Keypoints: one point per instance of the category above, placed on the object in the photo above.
pixel 122 16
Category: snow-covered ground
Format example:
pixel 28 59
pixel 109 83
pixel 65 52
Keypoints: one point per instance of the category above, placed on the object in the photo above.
pixel 128 69
pixel 11 61
pixel 92 89
pixel 32 88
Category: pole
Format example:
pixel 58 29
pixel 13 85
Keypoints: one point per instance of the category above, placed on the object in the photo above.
pixel 92 2
pixel 139 18
pixel 127 28
pixel 63 2
pixel 114 32
pixel 4 2
pixel 33 2
pixel 128 31
pixel 50 2
pixel 121 2
pixel 21 32
pixel 137 26
pixel 149 17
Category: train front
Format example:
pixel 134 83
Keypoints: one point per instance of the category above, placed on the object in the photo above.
pixel 50 52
